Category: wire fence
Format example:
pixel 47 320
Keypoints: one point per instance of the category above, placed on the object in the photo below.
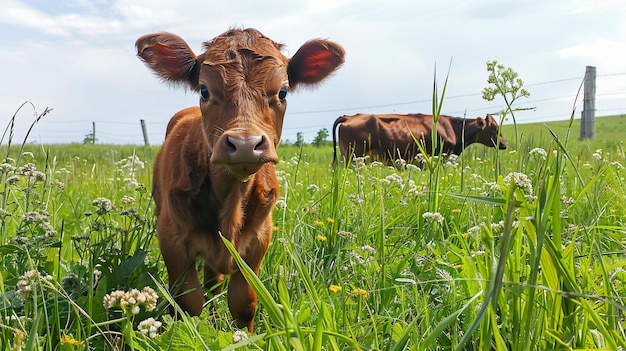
pixel 554 105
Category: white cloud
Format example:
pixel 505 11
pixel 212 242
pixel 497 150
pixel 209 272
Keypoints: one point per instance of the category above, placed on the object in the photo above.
pixel 606 53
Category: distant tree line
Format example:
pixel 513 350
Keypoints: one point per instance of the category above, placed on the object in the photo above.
pixel 318 141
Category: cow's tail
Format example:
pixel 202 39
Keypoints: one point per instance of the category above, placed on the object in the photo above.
pixel 335 125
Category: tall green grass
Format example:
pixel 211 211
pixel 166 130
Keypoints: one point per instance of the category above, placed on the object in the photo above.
pixel 530 257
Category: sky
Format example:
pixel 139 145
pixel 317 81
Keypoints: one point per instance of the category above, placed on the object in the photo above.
pixel 78 58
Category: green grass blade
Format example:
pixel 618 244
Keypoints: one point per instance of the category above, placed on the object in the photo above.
pixel 430 341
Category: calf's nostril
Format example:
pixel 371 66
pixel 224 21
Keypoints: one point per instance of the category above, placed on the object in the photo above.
pixel 230 144
pixel 261 145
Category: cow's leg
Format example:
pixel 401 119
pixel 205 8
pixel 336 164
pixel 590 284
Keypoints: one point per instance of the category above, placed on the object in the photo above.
pixel 181 270
pixel 242 299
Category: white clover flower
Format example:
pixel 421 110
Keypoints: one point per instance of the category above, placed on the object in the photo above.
pixel 497 226
pixel 6 167
pixel 396 178
pixel 452 161
pixel 130 164
pixel 48 229
pixel 420 158
pixel 597 155
pixel 104 205
pixel 131 183
pixel 151 298
pixel 369 249
pixel 359 259
pixel 149 327
pixel 400 162
pixel 521 181
pixel 313 188
pixel 413 167
pixel 62 171
pixel 539 152
pixel 131 301
pixel 433 216
pixel 128 199
pixel 12 180
pixel 26 170
pixel 39 176
pixel 361 162
pixel 473 230
pixel 345 234
pixel 33 218
pixel 239 336
pixel 27 281
pixel 280 203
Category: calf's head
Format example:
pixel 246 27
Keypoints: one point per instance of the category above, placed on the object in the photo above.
pixel 489 132
pixel 243 80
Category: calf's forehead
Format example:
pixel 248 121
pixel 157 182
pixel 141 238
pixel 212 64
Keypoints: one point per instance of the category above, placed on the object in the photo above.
pixel 242 39
pixel 226 47
pixel 244 57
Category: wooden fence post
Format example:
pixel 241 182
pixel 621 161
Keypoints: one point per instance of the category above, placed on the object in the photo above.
pixel 588 115
pixel 145 132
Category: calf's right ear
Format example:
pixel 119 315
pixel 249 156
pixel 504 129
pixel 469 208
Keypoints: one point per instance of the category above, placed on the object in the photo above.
pixel 169 57
pixel 314 61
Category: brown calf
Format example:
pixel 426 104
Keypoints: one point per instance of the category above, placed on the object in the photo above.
pixel 215 171
pixel 391 136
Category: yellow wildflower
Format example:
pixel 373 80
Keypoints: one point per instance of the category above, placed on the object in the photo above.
pixel 459 266
pixel 70 340
pixel 465 235
pixel 321 237
pixel 320 223
pixel 333 289
pixel 362 292
pixel 330 220
pixel 456 210
pixel 275 228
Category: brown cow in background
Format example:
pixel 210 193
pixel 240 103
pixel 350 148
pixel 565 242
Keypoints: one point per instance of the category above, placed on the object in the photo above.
pixel 387 137
pixel 215 172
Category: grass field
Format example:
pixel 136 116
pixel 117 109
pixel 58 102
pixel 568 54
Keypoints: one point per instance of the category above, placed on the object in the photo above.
pixel 522 249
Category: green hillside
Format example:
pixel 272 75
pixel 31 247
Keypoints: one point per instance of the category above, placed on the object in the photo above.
pixel 610 130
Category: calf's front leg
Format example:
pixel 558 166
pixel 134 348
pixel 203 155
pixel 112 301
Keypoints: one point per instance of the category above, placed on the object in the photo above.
pixel 242 300
pixel 183 277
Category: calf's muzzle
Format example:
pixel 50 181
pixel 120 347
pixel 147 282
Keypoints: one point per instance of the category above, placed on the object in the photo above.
pixel 243 154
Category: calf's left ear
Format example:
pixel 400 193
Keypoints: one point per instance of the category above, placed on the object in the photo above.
pixel 314 61
pixel 169 57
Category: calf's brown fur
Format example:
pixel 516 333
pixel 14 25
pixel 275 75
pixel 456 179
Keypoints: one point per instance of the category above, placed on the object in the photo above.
pixel 215 171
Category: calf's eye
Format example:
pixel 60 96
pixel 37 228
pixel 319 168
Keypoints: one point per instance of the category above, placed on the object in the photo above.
pixel 204 93
pixel 282 94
